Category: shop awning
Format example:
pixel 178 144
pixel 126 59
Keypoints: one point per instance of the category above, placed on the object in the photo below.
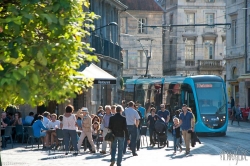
pixel 99 75
pixel 244 77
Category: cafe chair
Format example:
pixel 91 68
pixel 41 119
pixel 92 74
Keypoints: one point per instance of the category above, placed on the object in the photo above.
pixel 32 137
pixel 59 135
pixel 8 134
pixel 19 132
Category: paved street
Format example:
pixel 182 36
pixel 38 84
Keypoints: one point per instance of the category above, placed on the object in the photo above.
pixel 209 153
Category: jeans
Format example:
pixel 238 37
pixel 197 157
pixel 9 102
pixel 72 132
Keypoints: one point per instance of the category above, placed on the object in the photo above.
pixel 176 143
pixel 152 136
pixel 237 118
pixel 120 141
pixel 166 131
pixel 132 132
pixel 138 141
pixel 70 135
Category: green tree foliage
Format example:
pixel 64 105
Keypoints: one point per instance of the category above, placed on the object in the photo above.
pixel 41 47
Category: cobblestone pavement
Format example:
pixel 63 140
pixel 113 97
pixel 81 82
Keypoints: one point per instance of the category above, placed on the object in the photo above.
pixel 208 153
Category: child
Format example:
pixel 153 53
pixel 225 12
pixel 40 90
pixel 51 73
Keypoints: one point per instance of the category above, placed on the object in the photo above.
pixel 176 134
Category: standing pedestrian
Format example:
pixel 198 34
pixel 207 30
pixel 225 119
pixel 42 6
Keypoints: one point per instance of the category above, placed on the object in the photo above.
pixel 164 113
pixel 69 129
pixel 133 120
pixel 118 126
pixel 176 134
pixel 143 112
pixel 105 127
pixel 236 114
pixel 138 140
pixel 187 125
pixel 86 128
pixel 151 122
pixel 113 110
pixel 232 102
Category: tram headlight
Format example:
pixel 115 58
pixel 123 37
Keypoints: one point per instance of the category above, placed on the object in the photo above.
pixel 224 117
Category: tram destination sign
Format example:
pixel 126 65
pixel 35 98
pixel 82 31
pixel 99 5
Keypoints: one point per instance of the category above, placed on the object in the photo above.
pixel 204 85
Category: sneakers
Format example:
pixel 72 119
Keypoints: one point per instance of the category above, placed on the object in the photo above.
pixel 112 163
pixel 93 151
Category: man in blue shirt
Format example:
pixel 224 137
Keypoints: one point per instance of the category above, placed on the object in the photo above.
pixel 164 113
pixel 133 120
pixel 37 127
pixel 187 124
pixel 142 111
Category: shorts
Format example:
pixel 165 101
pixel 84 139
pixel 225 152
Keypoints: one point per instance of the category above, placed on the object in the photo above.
pixel 42 134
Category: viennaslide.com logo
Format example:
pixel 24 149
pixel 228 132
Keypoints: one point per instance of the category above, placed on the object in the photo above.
pixel 238 155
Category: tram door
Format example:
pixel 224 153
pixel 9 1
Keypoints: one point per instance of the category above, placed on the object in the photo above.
pixel 188 98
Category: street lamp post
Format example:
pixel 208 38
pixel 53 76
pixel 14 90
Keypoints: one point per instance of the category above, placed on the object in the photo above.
pixel 109 24
pixel 146 53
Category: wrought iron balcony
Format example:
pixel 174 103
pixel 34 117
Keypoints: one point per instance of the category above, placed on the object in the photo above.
pixel 106 47
pixel 210 65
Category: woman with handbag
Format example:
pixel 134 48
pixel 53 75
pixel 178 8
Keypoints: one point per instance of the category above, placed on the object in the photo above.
pixel 86 128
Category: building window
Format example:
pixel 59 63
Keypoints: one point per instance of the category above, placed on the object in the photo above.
pixel 209 1
pixel 141 22
pixel 190 18
pixel 125 59
pixel 189 50
pixel 210 19
pixel 235 73
pixel 234 32
pixel 170 50
pixel 171 20
pixel 209 49
pixel 142 58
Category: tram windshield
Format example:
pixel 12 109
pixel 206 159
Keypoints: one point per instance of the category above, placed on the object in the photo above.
pixel 211 98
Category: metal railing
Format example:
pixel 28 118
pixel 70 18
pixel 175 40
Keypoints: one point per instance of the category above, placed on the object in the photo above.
pixel 106 47
pixel 210 64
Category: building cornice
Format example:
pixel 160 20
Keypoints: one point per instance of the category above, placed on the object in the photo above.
pixel 234 57
pixel 118 4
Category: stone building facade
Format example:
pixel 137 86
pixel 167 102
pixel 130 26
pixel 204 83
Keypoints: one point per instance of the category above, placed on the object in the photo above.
pixel 136 39
pixel 193 50
pixel 238 51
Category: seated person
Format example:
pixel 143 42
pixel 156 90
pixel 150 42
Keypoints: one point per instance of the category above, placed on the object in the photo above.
pixel 17 119
pixel 37 127
pixel 60 118
pixel 29 118
pixel 4 122
pixel 95 130
pixel 51 135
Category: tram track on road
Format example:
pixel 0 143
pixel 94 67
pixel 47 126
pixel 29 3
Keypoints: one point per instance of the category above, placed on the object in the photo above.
pixel 230 142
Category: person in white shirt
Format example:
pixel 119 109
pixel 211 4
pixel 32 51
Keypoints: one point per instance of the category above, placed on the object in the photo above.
pixel 53 124
pixel 45 118
pixel 29 119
